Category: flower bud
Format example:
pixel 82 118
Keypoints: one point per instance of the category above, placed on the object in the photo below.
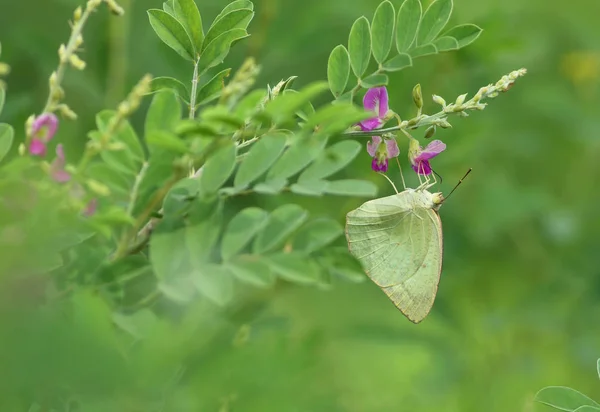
pixel 62 52
pixel 430 132
pixel 67 112
pixel 438 99
pixel 115 8
pixel 97 187
pixel 79 40
pixel 444 124
pixel 76 62
pixel 22 149
pixel 4 69
pixel 417 96
pixel 77 14
pixel 460 99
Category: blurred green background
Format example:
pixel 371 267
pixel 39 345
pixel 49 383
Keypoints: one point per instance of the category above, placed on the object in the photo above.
pixel 519 300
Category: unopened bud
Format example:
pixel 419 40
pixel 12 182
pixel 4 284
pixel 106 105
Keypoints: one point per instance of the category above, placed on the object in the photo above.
pixel 29 124
pixel 22 149
pixel 430 132
pixel 76 62
pixel 67 112
pixel 114 8
pixel 4 69
pixel 444 124
pixel 116 146
pixel 124 108
pixel 53 80
pixel 97 187
pixel 77 14
pixel 92 4
pixel 438 99
pixel 417 96
pixel 460 99
pixel 79 40
pixel 62 53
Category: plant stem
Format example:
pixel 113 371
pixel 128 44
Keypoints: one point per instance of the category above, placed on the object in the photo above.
pixel 194 90
pixel 136 187
pixel 71 47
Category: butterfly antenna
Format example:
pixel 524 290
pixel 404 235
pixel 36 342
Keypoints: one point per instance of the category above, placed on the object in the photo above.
pixel 389 180
pixel 458 184
pixel 401 175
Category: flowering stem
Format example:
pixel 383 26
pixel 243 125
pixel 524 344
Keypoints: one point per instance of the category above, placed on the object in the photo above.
pixel 194 90
pixel 72 45
pixel 136 187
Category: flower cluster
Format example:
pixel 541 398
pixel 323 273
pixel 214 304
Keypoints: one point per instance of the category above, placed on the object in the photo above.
pixel 381 150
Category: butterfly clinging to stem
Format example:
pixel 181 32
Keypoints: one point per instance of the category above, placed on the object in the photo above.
pixel 398 240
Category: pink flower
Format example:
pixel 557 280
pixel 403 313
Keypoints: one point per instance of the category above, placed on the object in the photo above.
pixel 90 208
pixel 381 151
pixel 375 100
pixel 43 130
pixel 419 157
pixel 57 168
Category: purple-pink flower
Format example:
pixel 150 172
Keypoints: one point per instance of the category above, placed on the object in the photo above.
pixel 375 100
pixel 419 157
pixel 381 151
pixel 43 130
pixel 57 168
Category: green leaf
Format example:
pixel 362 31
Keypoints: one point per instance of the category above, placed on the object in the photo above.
pixel 297 157
pixel 241 230
pixel 169 7
pixel 446 43
pixel 424 50
pixel 317 234
pixel 587 409
pixel 397 63
pixel 286 105
pixel 283 221
pixel 332 160
pixel 235 5
pixel 203 228
pixel 237 19
pixel 335 118
pixel 351 187
pixel 407 24
pixel 160 83
pixel 172 33
pixel 180 197
pixel 216 51
pixel 598 367
pixel 164 112
pixel 213 88
pixel 259 159
pixel 435 18
pixel 359 46
pixel 338 70
pixel 188 14
pixel 465 34
pixel 310 187
pixel 161 139
pixel 252 270
pixel 374 80
pixel 382 31
pixel 218 168
pixel 168 253
pixel 6 138
pixel 215 282
pixel 271 187
pixel 2 99
pixel 564 398
pixel 294 267
pixel 119 184
pixel 179 290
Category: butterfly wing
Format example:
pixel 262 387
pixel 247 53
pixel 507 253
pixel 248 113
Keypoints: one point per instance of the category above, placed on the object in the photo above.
pixel 399 243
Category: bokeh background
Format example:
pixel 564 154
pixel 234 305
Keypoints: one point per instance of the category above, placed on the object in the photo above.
pixel 519 300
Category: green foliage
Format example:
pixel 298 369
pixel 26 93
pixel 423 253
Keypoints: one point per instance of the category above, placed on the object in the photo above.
pixel 172 33
pixel 6 139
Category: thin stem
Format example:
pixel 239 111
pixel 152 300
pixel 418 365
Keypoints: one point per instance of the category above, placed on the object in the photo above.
pixel 136 187
pixel 71 47
pixel 194 90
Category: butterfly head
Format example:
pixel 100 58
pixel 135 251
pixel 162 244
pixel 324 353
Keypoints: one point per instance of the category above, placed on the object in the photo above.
pixel 437 199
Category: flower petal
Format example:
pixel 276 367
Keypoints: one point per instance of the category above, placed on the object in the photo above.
pixel 392 148
pixel 61 176
pixel 379 167
pixel 432 150
pixel 373 98
pixel 48 120
pixel 373 144
pixel 370 124
pixel 37 147
pixel 423 167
